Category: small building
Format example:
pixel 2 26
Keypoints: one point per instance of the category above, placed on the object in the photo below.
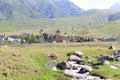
pixel 62 39
pixel 2 37
pixel 25 35
pixel 14 38
pixel 112 39
pixel 99 40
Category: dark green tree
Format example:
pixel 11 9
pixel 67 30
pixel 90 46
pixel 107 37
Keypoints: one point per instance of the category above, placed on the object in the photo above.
pixel 32 38
pixel 41 38
pixel 22 40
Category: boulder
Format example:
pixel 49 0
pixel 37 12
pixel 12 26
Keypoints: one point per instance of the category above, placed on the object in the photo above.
pixel 74 64
pixel 103 62
pixel 117 55
pixel 113 67
pixel 74 74
pixel 109 58
pixel 75 68
pixel 118 51
pixel 80 62
pixel 112 47
pixel 63 65
pixel 82 71
pixel 68 72
pixel 93 78
pixel 117 59
pixel 78 53
pixel 87 68
pixel 117 65
pixel 74 58
pixel 51 66
pixel 99 63
pixel 53 56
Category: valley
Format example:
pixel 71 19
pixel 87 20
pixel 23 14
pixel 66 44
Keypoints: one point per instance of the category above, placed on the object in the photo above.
pixel 57 40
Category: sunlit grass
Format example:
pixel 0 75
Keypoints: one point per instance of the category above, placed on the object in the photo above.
pixel 28 62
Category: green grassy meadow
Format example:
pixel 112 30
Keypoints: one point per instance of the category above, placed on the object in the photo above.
pixel 28 62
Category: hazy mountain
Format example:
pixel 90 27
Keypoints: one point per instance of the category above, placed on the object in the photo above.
pixel 114 17
pixel 116 6
pixel 99 15
pixel 53 9
pixel 38 9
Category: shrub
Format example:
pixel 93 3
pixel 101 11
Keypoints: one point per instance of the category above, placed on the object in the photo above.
pixel 69 54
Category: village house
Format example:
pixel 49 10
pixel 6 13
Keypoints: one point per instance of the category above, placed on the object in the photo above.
pixel 2 37
pixel 25 35
pixel 111 39
pixel 14 38
pixel 60 38
pixel 99 40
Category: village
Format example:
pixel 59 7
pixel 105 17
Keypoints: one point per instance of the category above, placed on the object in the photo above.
pixel 27 38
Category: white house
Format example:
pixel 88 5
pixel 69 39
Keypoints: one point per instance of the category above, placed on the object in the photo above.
pixel 2 38
pixel 13 39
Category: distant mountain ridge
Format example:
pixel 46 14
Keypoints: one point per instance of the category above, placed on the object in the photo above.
pixel 38 9
pixel 105 15
pixel 115 16
pixel 100 15
pixel 116 6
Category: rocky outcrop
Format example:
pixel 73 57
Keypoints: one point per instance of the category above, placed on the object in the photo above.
pixel 73 73
pixel 74 58
pixel 112 47
pixel 109 58
pixel 78 53
pixel 51 66
pixel 112 67
pixel 77 65
pixel 76 68
pixel 53 56
pixel 63 65
pixel 117 55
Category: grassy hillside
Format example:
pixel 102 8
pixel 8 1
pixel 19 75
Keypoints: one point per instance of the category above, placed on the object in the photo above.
pixel 35 24
pixel 109 29
pixel 28 62
pixel 83 26
pixel 19 64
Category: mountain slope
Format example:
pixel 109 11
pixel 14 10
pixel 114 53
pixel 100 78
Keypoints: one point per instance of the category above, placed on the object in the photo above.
pixel 67 7
pixel 16 9
pixel 99 15
pixel 116 6
pixel 115 16
pixel 38 9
